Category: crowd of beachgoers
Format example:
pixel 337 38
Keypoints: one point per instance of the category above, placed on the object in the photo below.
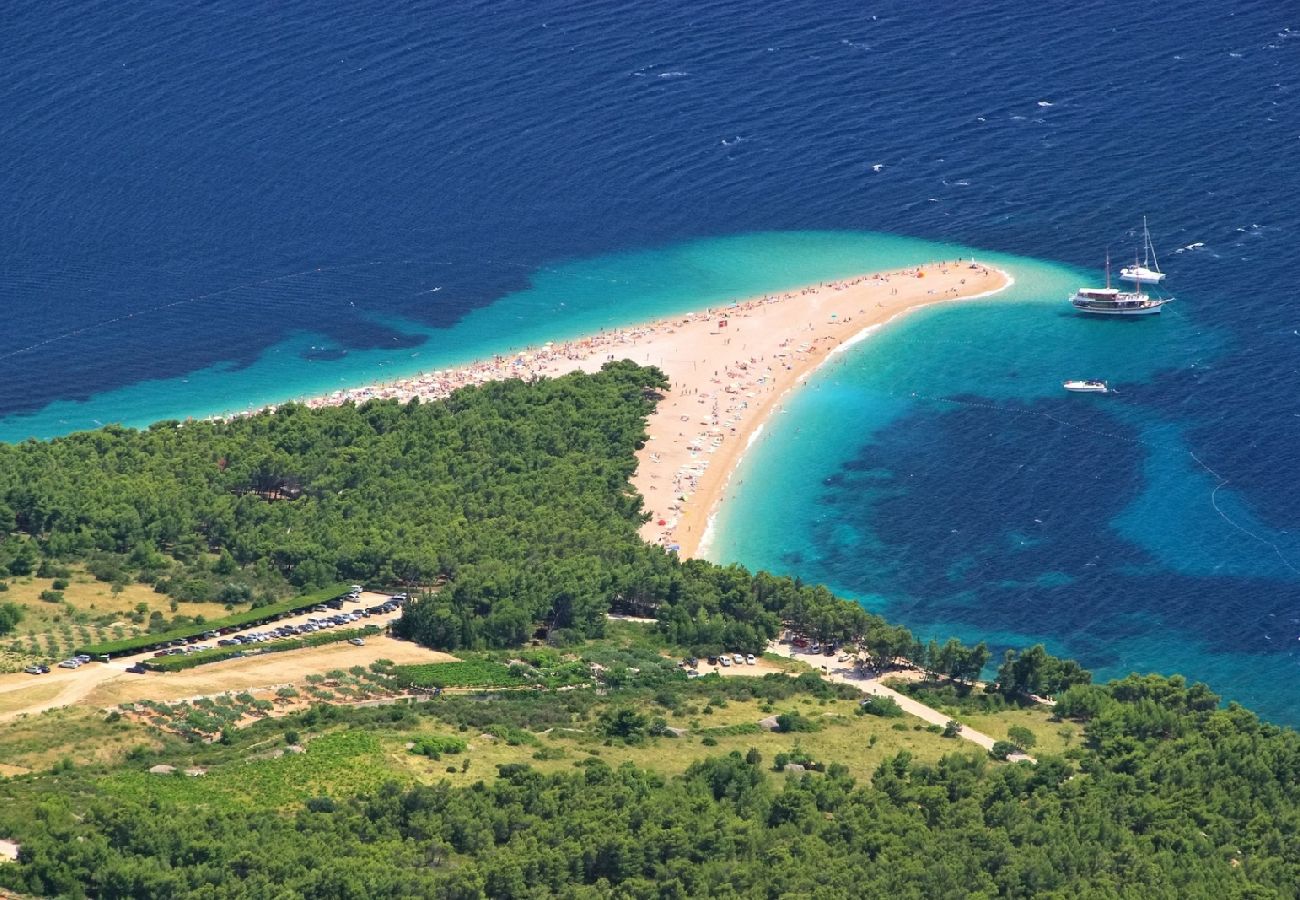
pixel 727 364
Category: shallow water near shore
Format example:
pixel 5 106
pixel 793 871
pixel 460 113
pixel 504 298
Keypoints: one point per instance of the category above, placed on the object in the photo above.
pixel 939 473
pixel 562 301
pixel 212 209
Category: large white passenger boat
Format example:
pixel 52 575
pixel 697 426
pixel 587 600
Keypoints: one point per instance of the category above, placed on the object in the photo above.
pixel 1109 301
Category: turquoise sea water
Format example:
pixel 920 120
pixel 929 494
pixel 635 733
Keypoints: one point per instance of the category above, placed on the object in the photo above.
pixel 939 474
pixel 212 208
pixel 561 301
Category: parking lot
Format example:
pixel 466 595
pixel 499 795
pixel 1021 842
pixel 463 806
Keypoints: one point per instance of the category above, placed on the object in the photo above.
pixel 365 608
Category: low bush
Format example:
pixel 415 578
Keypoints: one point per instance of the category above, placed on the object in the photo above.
pixel 886 707
pixel 1003 749
pixel 434 745
pixel 793 721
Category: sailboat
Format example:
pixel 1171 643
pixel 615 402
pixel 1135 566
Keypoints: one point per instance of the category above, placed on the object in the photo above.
pixel 1109 301
pixel 1148 272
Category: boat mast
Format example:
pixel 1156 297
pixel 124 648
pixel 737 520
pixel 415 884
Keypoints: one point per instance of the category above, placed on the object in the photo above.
pixel 1151 249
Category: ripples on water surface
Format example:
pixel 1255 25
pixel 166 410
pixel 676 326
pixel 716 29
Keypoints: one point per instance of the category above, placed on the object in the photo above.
pixel 207 209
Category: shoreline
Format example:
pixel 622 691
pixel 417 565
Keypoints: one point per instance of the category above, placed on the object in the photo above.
pixel 762 348
pixel 704 543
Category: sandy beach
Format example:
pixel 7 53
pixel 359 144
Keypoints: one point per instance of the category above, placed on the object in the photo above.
pixel 730 367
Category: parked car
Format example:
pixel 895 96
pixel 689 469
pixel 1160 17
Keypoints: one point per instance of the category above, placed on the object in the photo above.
pixel 749 658
pixel 137 669
pixel 357 642
pixel 726 661
pixel 36 670
pixel 739 660
pixel 70 664
pixel 713 660
pixel 82 658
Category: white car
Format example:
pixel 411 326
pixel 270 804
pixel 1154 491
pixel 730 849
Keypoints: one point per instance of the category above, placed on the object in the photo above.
pixel 70 664
pixel 726 661
pixel 749 658
pixel 357 642
pixel 740 660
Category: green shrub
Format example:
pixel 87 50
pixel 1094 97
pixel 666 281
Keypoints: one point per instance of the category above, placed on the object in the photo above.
pixel 793 721
pixel 1003 749
pixel 1022 737
pixel 886 707
pixel 434 745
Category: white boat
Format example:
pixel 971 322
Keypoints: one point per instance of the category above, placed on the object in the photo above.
pixel 1148 271
pixel 1109 301
pixel 1086 387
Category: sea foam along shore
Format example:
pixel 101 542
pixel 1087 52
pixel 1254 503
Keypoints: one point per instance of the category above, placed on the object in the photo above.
pixel 816 361
pixel 729 367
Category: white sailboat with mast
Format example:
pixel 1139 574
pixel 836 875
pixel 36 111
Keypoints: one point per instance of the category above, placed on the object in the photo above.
pixel 1109 301
pixel 1148 271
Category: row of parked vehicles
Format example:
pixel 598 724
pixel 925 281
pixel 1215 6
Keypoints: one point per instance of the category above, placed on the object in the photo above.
pixel 691 663
pixel 311 626
pixel 227 637
pixel 827 649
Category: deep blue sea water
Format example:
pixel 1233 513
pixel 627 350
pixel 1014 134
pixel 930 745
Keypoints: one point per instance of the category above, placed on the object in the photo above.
pixel 218 206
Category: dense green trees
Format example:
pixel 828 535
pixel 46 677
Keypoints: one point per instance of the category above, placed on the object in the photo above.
pixel 516 492
pixel 1171 797
pixel 1036 672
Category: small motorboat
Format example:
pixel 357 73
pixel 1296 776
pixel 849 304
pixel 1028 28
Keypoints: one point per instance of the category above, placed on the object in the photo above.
pixel 1086 387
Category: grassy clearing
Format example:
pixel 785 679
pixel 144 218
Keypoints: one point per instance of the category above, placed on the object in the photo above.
pixel 859 742
pixel 86 594
pixel 1053 737
pixel 336 764
pixel 89 612
pixel 29 696
pixel 82 735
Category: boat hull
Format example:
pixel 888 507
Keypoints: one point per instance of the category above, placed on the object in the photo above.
pixel 1142 275
pixel 1103 309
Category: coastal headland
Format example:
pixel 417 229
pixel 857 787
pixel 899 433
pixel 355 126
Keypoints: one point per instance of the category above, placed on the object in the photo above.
pixel 730 366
